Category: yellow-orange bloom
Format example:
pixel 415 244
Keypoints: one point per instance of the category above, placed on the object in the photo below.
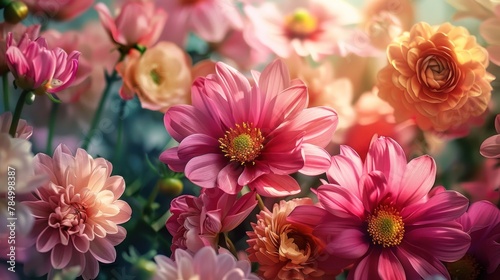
pixel 284 250
pixel 436 76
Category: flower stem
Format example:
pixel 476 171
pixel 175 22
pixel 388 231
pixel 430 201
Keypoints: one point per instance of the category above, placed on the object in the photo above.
pixel 118 145
pixel 52 125
pixel 230 245
pixel 17 112
pixel 260 202
pixel 6 93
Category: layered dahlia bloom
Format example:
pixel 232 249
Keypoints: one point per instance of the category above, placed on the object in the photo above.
pixel 204 264
pixel 211 20
pixel 379 217
pixel 17 30
pixel 490 148
pixel 304 27
pixel 482 260
pixel 77 213
pixel 37 68
pixel 286 250
pixel 235 135
pixel 436 76
pixel 161 77
pixel 196 222
pixel 137 23
pixel 62 10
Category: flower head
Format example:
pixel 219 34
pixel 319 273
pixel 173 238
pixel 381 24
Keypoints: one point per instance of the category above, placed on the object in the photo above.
pixel 235 135
pixel 138 23
pixel 204 264
pixel 286 250
pixel 161 77
pixel 18 30
pixel 37 68
pixel 490 148
pixel 379 217
pixel 77 213
pixel 197 221
pixel 437 76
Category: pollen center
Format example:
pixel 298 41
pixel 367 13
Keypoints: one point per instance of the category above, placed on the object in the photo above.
pixel 242 143
pixel 386 226
pixel 301 23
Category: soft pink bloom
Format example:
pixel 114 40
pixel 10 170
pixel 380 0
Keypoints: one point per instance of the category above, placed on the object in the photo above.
pixel 305 27
pixel 17 30
pixel 23 130
pixel 482 260
pixel 490 148
pixel 209 19
pixel 196 222
pixel 204 264
pixel 62 10
pixel 235 135
pixel 137 23
pixel 40 69
pixel 486 186
pixel 379 217
pixel 77 213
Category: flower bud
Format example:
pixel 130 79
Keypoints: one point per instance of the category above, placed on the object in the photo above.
pixel 15 12
pixel 170 186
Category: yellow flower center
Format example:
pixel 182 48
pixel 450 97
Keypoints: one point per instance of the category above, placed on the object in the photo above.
pixel 301 23
pixel 386 226
pixel 242 143
pixel 466 268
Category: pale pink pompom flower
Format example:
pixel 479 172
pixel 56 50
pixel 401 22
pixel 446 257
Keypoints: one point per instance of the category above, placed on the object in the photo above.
pixel 137 23
pixel 37 68
pixel 379 217
pixel 77 213
pixel 62 10
pixel 490 147
pixel 204 264
pixel 196 222
pixel 235 134
pixel 211 20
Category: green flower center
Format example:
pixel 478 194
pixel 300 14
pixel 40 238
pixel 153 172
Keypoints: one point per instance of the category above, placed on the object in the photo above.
pixel 386 226
pixel 242 143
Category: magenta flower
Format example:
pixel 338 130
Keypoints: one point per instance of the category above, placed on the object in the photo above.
pixel 482 260
pixel 37 68
pixel 235 135
pixel 197 221
pixel 490 148
pixel 77 213
pixel 138 23
pixel 379 217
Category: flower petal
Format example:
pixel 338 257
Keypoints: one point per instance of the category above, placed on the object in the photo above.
pixel 418 179
pixel 203 170
pixel 387 156
pixel 317 160
pixel 273 185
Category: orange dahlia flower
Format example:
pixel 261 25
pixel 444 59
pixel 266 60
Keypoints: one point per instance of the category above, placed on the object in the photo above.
pixel 287 250
pixel 436 76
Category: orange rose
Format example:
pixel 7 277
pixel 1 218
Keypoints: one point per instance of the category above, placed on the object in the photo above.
pixel 161 77
pixel 436 76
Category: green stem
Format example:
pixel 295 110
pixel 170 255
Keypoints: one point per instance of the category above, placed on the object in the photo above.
pixel 260 202
pixel 52 126
pixel 17 112
pixel 100 107
pixel 118 147
pixel 230 245
pixel 6 93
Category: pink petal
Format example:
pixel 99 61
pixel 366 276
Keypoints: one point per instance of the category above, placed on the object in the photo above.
pixel 367 267
pixel 81 244
pixel 239 212
pixel 389 266
pixel 203 170
pixel 184 120
pixel 60 256
pixel 417 261
pixel 316 160
pixel 308 215
pixel 102 250
pixel 287 104
pixel 16 62
pixel 47 239
pixel 197 144
pixel 497 122
pixel 171 158
pixel 209 27
pixel 250 172
pixel 442 207
pixel 155 28
pixel 387 156
pixel 282 153
pixel 274 79
pixel 417 181
pixel 345 169
pixel 340 202
pixel 373 188
pixel 483 214
pixel 274 185
pixel 346 243
pixel 227 179
pixel 490 148
pixel 106 19
pixel 319 123
pixel 91 267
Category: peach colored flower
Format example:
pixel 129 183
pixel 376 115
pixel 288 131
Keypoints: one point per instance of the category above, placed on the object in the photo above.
pixel 436 76
pixel 161 77
pixel 285 250
pixel 77 213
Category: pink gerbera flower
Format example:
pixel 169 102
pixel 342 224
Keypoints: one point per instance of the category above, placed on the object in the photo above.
pixel 490 148
pixel 379 217
pixel 235 135
pixel 77 213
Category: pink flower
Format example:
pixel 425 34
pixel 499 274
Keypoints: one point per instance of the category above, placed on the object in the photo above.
pixel 205 264
pixel 486 186
pixel 23 131
pixel 378 215
pixel 138 23
pixel 62 10
pixel 77 213
pixel 490 148
pixel 40 69
pixel 18 30
pixel 482 260
pixel 209 19
pixel 304 27
pixel 235 135
pixel 197 221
